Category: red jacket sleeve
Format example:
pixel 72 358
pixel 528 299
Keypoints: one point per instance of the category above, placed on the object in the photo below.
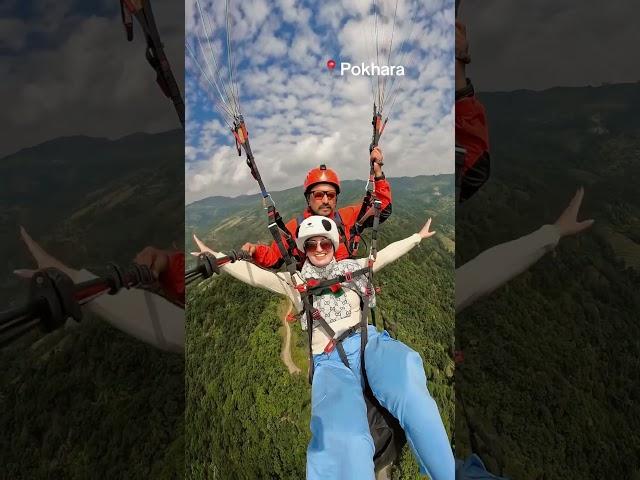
pixel 172 279
pixel 472 131
pixel 349 214
pixel 383 192
pixel 268 256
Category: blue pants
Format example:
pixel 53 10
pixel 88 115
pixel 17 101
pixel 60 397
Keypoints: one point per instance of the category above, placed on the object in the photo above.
pixel 341 446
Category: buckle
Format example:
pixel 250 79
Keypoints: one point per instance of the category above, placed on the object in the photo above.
pixel 348 276
pixel 330 346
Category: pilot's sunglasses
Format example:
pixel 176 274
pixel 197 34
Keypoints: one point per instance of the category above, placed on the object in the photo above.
pixel 312 245
pixel 319 195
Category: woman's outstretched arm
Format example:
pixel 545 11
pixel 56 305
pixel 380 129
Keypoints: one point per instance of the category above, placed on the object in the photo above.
pixel 139 313
pixel 496 266
pixel 395 250
pixel 251 274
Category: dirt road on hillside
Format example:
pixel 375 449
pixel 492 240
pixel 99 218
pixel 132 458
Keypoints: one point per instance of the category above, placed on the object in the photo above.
pixel 285 354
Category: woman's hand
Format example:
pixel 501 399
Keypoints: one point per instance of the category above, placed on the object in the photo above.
pixel 42 258
pixel 203 248
pixel 567 223
pixel 424 232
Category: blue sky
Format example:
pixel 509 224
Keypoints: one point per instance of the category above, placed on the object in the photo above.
pixel 299 114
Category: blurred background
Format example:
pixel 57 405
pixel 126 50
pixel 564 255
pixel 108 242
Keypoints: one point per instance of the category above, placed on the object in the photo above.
pixel 92 159
pixel 548 385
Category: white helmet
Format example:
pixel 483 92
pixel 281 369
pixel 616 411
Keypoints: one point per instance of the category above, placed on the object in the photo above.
pixel 317 226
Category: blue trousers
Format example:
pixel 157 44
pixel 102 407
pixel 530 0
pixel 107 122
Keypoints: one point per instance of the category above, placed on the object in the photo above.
pixel 341 446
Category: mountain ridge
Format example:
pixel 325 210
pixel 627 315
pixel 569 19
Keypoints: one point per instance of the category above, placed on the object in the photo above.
pixel 87 140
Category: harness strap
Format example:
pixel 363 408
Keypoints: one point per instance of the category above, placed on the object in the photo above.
pixel 276 225
pixel 344 335
pixel 358 226
pixel 346 277
pixel 365 310
pixel 242 140
pixel 364 320
pixel 155 51
pixel 337 342
pixel 127 21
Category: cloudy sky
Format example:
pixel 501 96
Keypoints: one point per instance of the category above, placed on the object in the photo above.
pixel 547 43
pixel 67 69
pixel 298 113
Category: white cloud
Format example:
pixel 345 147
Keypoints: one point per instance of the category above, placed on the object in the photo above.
pixel 300 115
pixel 73 73
pixel 13 33
pixel 566 43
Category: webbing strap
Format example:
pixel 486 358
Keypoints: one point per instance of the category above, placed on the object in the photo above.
pixel 357 228
pixel 365 310
pixel 370 195
pixel 127 21
pixel 276 225
pixel 255 173
pixel 377 204
pixel 362 326
pixel 323 323
pixel 364 316
pixel 347 277
pixel 157 58
pixel 277 232
pixel 307 309
pixel 364 334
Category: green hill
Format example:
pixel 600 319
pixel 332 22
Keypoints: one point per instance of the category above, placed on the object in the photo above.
pixel 90 200
pixel 89 400
pixel 247 417
pixel 549 380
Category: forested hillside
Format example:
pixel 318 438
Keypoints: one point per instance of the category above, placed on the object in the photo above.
pixel 549 385
pixel 90 200
pixel 89 401
pixel 247 417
